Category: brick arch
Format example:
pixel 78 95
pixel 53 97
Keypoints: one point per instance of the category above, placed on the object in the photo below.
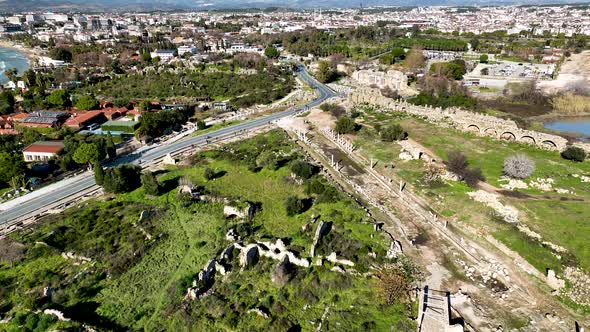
pixel 549 143
pixel 508 136
pixel 528 139
pixel 473 128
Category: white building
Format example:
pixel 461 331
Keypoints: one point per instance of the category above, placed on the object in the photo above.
pixel 164 55
pixel 186 49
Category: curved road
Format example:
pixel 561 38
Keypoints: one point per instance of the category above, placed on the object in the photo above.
pixel 35 205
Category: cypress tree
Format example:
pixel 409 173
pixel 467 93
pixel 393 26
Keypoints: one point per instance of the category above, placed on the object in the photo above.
pixel 98 173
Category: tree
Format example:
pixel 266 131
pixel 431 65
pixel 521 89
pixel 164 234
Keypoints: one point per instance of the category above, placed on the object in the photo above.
pixel 201 125
pixel 519 166
pixel 209 174
pixel 302 169
pixel 268 159
pixel 326 72
pixel 392 133
pixel 453 70
pixel 11 74
pixel 414 59
pixel 61 53
pixel 12 167
pixel 294 205
pixel 59 98
pixel 86 102
pixel 574 153
pixel 6 102
pixel 345 125
pixel 472 176
pixel 485 71
pixel 145 105
pixel 121 179
pixel 111 150
pixel 397 281
pixel 398 53
pixel 146 57
pixel 483 58
pixel 150 184
pixel 271 52
pixel 86 153
pixel 11 251
pixel 474 43
pixel 336 110
pixel 98 173
pixel 456 162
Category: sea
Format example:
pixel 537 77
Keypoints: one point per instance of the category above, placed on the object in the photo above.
pixel 11 58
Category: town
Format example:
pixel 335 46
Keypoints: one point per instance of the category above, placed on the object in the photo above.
pixel 368 168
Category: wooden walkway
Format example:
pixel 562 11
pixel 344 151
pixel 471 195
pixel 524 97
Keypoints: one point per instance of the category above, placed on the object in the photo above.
pixel 434 311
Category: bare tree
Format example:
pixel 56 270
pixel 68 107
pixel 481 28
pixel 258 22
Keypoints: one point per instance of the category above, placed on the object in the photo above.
pixel 519 166
pixel 414 59
pixel 11 251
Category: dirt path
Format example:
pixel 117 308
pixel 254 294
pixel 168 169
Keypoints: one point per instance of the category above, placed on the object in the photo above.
pixel 497 287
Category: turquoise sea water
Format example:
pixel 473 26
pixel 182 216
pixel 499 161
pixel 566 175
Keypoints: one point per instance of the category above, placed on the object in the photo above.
pixel 10 58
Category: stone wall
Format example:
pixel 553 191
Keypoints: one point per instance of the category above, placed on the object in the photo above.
pixel 479 124
pixel 394 79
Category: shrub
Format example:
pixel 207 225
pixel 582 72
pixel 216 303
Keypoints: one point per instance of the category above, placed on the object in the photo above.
pixel 519 166
pixel 457 162
pixel 294 205
pixel 302 169
pixel 472 176
pixel 209 174
pixel 150 184
pixel 336 110
pixel 574 153
pixel 201 125
pixel 345 125
pixel 124 178
pixel 393 133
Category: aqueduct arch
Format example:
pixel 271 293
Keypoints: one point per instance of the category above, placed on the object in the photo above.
pixel 508 136
pixel 528 139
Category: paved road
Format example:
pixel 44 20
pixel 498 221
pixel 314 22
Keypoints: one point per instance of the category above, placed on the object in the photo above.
pixel 86 181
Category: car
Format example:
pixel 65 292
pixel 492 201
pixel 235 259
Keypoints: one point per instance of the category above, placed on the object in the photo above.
pixel 93 126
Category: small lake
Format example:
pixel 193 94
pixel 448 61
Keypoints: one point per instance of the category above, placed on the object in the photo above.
pixel 580 125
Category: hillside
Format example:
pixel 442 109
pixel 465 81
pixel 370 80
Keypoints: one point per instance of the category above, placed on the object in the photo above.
pixel 209 253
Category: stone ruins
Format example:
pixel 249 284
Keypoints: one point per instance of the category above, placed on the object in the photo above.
pixel 479 124
pixel 394 79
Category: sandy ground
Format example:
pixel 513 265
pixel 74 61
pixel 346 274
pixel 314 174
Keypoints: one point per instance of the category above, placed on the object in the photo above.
pixel 574 72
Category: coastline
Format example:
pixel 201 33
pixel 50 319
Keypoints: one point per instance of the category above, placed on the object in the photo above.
pixel 32 55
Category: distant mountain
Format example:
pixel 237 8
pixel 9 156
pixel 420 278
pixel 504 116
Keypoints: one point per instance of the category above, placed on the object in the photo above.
pixel 146 5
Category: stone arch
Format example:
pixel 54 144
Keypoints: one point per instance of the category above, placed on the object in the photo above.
pixel 549 143
pixel 473 128
pixel 508 136
pixel 528 139
pixel 491 132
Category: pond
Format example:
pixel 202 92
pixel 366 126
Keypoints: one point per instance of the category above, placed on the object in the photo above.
pixel 579 125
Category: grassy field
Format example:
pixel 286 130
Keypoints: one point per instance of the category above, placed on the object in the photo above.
pixel 560 218
pixel 133 283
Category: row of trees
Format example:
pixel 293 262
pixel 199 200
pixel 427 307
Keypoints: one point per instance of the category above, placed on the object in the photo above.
pixel 192 84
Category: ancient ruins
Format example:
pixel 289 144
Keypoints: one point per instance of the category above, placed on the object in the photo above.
pixel 479 124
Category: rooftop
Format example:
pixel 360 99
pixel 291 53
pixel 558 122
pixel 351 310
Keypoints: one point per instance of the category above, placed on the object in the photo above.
pixel 45 147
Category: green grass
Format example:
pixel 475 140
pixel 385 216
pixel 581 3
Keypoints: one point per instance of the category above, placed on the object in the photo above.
pixel 560 219
pixel 138 284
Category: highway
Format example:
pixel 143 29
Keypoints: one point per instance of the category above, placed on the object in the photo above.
pixel 39 203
